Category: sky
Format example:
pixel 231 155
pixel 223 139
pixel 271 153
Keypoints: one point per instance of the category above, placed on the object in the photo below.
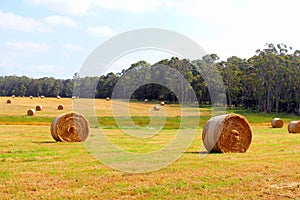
pixel 53 38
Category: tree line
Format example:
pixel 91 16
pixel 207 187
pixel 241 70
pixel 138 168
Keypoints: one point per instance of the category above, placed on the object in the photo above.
pixel 269 81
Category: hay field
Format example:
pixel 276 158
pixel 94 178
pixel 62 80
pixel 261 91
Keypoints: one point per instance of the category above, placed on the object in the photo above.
pixel 34 166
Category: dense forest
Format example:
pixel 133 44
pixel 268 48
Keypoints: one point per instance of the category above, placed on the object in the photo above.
pixel 269 81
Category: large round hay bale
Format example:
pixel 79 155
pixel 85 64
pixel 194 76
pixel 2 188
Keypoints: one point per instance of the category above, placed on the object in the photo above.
pixel 30 97
pixel 294 127
pixel 8 101
pixel 227 133
pixel 58 97
pixel 162 103
pixel 30 112
pixel 146 100
pixel 107 98
pixel 39 108
pixel 60 107
pixel 70 127
pixel 42 97
pixel 156 108
pixel 277 123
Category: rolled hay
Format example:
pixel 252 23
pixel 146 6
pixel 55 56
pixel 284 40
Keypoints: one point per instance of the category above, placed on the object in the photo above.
pixel 156 108
pixel 58 97
pixel 294 127
pixel 70 127
pixel 107 98
pixel 60 107
pixel 162 103
pixel 146 100
pixel 30 97
pixel 42 97
pixel 13 96
pixel 39 108
pixel 30 112
pixel 73 97
pixel 277 123
pixel 229 133
pixel 8 101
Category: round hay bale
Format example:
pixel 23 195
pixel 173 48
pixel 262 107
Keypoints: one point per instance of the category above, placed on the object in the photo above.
pixel 13 96
pixel 42 97
pixel 162 103
pixel 156 108
pixel 58 97
pixel 73 97
pixel 227 133
pixel 60 107
pixel 8 101
pixel 30 97
pixel 294 127
pixel 107 98
pixel 146 100
pixel 30 112
pixel 39 108
pixel 70 127
pixel 277 123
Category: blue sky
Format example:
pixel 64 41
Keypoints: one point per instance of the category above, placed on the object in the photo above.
pixel 53 38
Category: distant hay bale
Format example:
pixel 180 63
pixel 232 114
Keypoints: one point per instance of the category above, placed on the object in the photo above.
pixel 162 103
pixel 30 112
pixel 60 107
pixel 156 108
pixel 146 100
pixel 70 127
pixel 13 96
pixel 73 97
pixel 294 127
pixel 277 123
pixel 227 133
pixel 42 97
pixel 30 97
pixel 58 97
pixel 39 108
pixel 107 98
pixel 8 101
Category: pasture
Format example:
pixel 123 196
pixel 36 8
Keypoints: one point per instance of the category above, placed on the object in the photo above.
pixel 34 166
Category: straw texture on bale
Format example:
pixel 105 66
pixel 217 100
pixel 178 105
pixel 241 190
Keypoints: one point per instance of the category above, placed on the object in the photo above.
pixel 39 108
pixel 227 133
pixel 156 108
pixel 277 123
pixel 70 127
pixel 162 103
pixel 60 107
pixel 8 101
pixel 30 112
pixel 294 127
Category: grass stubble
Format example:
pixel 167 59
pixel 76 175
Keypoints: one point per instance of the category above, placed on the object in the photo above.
pixel 34 166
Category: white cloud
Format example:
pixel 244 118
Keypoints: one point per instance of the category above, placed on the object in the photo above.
pixel 103 31
pixel 73 47
pixel 57 20
pixel 27 47
pixel 15 22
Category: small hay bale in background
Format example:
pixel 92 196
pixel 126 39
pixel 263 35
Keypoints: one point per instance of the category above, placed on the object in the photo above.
pixel 39 108
pixel 162 103
pixel 227 133
pixel 58 97
pixel 294 127
pixel 60 107
pixel 107 98
pixel 277 123
pixel 13 96
pixel 156 108
pixel 73 97
pixel 42 97
pixel 30 97
pixel 8 101
pixel 70 127
pixel 146 100
pixel 30 112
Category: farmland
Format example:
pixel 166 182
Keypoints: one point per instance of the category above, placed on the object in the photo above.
pixel 34 166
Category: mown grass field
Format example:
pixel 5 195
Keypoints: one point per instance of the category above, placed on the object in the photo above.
pixel 34 166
